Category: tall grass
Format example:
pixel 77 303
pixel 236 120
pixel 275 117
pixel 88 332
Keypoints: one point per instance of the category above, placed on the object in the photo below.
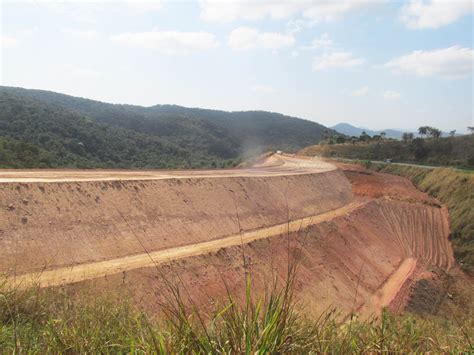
pixel 50 321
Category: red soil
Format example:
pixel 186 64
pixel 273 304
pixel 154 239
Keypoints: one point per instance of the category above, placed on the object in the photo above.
pixel 360 261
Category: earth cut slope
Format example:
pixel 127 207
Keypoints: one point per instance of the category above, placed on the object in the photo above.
pixel 49 220
pixel 361 239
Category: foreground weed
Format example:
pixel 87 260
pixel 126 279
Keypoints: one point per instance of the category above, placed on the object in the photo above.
pixel 35 321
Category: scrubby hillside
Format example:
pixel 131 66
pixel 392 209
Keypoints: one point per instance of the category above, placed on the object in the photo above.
pixel 35 134
pixel 452 151
pixel 66 131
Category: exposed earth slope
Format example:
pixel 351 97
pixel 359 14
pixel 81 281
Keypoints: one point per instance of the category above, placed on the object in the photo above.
pixel 361 238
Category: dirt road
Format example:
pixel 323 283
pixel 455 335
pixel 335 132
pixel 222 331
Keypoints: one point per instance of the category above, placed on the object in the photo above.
pixel 276 165
pixel 67 275
pixel 390 288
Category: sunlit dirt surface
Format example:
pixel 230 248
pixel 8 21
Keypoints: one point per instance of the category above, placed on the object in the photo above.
pixel 360 239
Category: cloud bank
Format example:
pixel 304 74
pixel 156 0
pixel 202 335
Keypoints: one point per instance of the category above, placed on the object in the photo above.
pixel 448 63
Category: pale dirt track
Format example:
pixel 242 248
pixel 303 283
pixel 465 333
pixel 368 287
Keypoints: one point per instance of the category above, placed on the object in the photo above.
pixel 390 288
pixel 277 165
pixel 67 275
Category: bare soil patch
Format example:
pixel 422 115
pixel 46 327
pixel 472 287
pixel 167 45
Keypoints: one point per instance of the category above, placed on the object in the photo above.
pixel 361 259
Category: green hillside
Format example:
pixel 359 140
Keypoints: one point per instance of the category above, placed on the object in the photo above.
pixel 62 138
pixel 449 151
pixel 46 129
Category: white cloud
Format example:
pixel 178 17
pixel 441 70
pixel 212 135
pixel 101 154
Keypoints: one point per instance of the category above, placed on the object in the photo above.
pixel 391 95
pixel 361 91
pixel 322 42
pixel 448 63
pixel 419 14
pixel 246 38
pixel 82 34
pixel 265 89
pixel 8 42
pixel 294 53
pixel 93 11
pixel 142 5
pixel 169 42
pixel 27 32
pixel 328 11
pixel 231 10
pixel 316 10
pixel 333 56
pixel 336 60
pixel 294 26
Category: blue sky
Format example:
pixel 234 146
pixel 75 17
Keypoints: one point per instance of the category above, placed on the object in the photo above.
pixel 376 64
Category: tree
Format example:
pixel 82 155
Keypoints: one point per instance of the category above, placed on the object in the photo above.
pixel 383 134
pixel 326 134
pixel 423 130
pixel 419 149
pixel 364 137
pixel 407 137
pixel 452 133
pixel 434 132
pixel 471 129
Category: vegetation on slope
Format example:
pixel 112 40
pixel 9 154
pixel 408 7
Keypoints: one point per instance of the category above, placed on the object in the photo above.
pixel 35 321
pixel 56 137
pixel 77 132
pixel 19 154
pixel 449 151
pixel 453 188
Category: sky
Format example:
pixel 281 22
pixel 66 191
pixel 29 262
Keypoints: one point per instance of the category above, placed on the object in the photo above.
pixel 377 64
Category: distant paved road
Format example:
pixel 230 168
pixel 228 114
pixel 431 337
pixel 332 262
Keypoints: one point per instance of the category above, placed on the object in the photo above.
pixel 409 164
pixel 393 163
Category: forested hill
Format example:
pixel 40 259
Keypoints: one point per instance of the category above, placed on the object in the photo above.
pixel 46 129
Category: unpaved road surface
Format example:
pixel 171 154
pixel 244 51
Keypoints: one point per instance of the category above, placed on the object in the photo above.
pixel 277 165
pixel 389 289
pixel 89 271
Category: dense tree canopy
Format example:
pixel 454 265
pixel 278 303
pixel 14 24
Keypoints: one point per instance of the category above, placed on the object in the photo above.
pixel 46 129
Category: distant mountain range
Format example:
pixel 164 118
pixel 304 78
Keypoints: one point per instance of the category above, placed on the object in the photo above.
pixel 47 129
pixel 350 130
